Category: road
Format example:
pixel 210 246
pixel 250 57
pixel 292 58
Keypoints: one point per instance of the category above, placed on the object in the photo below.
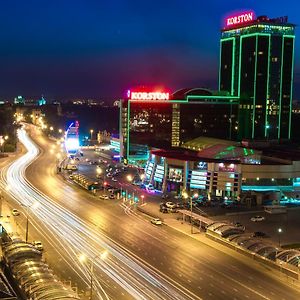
pixel 144 261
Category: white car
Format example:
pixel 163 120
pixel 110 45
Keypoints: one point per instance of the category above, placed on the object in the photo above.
pixel 38 245
pixel 108 175
pixel 114 179
pixel 170 204
pixel 156 221
pixel 257 219
pixel 104 197
pixel 15 212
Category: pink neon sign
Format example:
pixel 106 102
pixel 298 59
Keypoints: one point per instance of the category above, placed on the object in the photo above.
pixel 148 95
pixel 240 19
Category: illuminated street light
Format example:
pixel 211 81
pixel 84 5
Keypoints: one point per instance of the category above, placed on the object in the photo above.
pixel 51 128
pixel 99 170
pixel 60 130
pixel 83 258
pixel 279 232
pixel 129 177
pixel 91 131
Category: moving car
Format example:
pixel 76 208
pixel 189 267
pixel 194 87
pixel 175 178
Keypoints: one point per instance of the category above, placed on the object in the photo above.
pixel 112 196
pixel 38 245
pixel 15 212
pixel 104 197
pixel 257 219
pixel 114 179
pixel 156 221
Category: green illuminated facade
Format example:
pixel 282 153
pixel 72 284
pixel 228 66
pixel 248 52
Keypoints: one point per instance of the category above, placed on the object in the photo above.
pixel 257 65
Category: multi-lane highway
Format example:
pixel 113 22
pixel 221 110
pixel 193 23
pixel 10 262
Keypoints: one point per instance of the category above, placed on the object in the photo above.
pixel 143 261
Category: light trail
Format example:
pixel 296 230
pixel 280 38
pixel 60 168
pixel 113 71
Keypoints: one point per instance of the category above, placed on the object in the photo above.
pixel 68 232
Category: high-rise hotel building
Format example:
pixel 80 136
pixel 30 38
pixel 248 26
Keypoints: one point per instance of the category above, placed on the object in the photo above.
pixel 256 64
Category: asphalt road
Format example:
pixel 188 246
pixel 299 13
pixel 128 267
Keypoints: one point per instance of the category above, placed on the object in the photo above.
pixel 144 261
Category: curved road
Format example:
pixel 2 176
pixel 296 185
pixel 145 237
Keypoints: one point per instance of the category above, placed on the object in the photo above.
pixel 143 261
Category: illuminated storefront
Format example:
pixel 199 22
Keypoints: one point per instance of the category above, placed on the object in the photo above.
pixel 164 120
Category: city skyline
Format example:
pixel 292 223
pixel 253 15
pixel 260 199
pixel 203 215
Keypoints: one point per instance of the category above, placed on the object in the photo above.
pixel 80 50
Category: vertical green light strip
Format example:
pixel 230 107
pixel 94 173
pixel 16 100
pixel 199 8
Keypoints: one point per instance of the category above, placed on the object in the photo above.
pixel 233 67
pixel 220 63
pixel 280 95
pixel 128 125
pixel 254 89
pixel 292 84
pixel 240 68
pixel 267 91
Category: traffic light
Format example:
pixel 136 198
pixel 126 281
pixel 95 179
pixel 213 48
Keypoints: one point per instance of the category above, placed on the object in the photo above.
pixel 105 183
pixel 136 199
pixel 123 193
pixel 129 196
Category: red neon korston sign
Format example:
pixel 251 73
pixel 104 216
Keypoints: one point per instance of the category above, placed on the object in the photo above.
pixel 148 95
pixel 245 17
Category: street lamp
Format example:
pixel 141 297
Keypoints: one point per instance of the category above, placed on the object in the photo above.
pixel 34 206
pixel 83 258
pixel 51 128
pixel 60 130
pixel 279 232
pixel 129 177
pixel 91 131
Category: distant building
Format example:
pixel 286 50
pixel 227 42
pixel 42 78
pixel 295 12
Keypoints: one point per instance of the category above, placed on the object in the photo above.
pixel 19 100
pixel 41 101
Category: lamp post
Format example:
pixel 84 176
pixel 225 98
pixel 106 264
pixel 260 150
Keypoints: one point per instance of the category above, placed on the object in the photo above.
pixel 83 258
pixel 34 206
pixel 91 132
pixel 279 232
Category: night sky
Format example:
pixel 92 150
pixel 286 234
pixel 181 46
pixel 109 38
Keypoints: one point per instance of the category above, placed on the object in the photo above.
pixel 96 48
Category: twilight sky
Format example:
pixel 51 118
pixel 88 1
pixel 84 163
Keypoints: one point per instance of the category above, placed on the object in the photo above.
pixel 97 48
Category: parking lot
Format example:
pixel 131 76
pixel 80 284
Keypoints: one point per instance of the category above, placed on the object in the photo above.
pixel 288 223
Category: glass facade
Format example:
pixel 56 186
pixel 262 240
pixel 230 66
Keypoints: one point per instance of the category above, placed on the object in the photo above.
pixel 260 60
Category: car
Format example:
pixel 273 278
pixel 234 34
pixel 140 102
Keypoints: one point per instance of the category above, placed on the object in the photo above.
pixel 164 210
pixel 71 176
pixel 173 210
pixel 259 234
pixel 114 179
pixel 15 212
pixel 109 175
pixel 77 158
pixel 257 219
pixel 170 204
pixel 112 196
pixel 156 221
pixel 239 225
pixel 179 205
pixel 38 245
pixel 104 197
pixel 111 190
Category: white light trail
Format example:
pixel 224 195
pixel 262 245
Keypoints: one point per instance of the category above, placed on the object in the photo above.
pixel 75 236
